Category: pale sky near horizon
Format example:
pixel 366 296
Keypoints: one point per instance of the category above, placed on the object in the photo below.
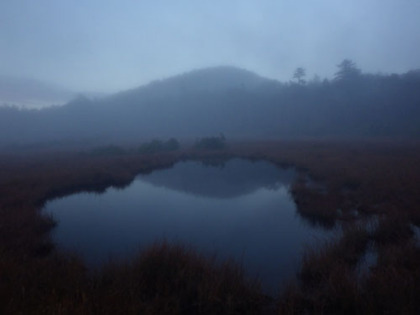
pixel 108 46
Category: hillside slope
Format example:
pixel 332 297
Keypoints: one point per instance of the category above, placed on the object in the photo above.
pixel 232 101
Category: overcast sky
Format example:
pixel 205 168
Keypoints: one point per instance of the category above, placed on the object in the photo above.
pixel 114 45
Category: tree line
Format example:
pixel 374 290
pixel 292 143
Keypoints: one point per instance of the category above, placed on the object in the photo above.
pixel 352 104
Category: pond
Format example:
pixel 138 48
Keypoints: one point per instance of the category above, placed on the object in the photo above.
pixel 236 209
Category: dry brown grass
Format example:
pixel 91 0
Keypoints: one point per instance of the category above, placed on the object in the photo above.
pixel 173 279
pixel 372 178
pixel 327 280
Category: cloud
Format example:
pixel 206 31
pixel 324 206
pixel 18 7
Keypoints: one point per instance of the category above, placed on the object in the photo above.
pixel 113 45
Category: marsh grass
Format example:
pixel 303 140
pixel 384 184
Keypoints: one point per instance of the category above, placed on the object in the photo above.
pixel 374 179
pixel 167 278
pixel 393 228
pixel 394 283
pixel 163 279
pixel 327 281
pixel 317 207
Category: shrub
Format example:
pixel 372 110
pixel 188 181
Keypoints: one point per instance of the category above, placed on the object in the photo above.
pixel 156 146
pixel 211 143
pixel 171 145
pixel 108 150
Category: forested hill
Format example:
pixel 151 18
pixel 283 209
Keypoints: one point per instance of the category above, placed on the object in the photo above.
pixel 236 102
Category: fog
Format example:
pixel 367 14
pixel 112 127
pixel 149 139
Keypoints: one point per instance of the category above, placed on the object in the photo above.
pixel 109 46
pixel 138 70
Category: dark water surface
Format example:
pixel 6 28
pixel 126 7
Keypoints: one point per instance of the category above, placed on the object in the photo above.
pixel 238 209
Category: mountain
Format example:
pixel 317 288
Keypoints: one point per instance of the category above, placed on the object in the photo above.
pixel 193 104
pixel 202 81
pixel 232 101
pixel 209 79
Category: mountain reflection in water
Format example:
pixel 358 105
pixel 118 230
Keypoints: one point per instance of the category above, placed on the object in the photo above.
pixel 229 179
pixel 239 209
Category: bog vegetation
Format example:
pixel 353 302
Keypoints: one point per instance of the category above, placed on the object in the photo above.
pixel 370 189
pixel 211 143
pixel 156 146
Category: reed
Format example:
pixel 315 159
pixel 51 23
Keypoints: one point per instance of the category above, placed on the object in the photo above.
pixel 365 178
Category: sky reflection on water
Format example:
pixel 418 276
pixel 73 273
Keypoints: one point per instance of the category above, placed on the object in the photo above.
pixel 240 209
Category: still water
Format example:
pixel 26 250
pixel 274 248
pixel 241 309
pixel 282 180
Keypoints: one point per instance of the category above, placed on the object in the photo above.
pixel 237 209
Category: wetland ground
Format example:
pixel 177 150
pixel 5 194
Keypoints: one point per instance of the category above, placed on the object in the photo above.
pixel 369 188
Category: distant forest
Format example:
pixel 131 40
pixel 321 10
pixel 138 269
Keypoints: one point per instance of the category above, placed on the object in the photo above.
pixel 235 102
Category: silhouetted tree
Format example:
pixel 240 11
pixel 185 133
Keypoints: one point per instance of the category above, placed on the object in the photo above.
pixel 347 70
pixel 299 75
